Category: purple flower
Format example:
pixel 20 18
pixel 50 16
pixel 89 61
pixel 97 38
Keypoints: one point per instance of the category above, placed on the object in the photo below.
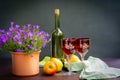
pixel 33 42
pixel 2 31
pixel 11 23
pixel 42 33
pixel 37 34
pixel 47 35
pixel 19 42
pixel 11 29
pixel 25 36
pixel 34 26
pixel 26 48
pixel 9 33
pixel 44 39
pixel 35 49
pixel 19 50
pixel 29 46
pixel 16 38
pixel 43 45
pixel 23 42
pixel 23 39
pixel 30 34
pixel 17 35
pixel 17 26
pixel 21 31
pixel 37 26
pixel 27 27
pixel 28 24
pixel 3 38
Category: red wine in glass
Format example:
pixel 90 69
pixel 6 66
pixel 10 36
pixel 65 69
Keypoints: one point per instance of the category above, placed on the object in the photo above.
pixel 68 47
pixel 82 46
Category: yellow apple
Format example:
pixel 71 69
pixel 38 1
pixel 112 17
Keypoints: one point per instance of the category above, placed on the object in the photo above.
pixel 74 58
pixel 50 68
pixel 58 62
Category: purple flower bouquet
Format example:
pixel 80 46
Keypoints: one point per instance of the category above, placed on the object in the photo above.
pixel 27 38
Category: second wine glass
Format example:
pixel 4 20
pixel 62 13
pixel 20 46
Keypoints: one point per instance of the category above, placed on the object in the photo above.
pixel 82 46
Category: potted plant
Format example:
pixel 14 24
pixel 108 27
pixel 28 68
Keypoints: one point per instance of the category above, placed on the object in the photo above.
pixel 24 43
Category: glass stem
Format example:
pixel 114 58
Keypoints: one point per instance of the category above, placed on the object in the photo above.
pixel 82 57
pixel 69 65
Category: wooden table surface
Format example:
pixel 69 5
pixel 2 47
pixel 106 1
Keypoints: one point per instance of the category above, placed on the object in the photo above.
pixel 5 72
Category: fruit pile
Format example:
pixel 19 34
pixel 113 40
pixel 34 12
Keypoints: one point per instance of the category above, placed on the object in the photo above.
pixel 53 65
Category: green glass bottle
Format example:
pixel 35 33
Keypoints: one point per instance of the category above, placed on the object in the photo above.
pixel 57 35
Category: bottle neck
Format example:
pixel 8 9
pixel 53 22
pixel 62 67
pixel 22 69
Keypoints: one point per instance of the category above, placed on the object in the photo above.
pixel 57 21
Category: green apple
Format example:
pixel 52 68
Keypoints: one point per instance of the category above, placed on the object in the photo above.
pixel 74 58
pixel 45 59
pixel 58 63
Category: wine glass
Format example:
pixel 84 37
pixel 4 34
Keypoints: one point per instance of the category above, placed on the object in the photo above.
pixel 68 48
pixel 82 46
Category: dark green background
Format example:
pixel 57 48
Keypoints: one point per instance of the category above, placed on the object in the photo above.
pixel 97 19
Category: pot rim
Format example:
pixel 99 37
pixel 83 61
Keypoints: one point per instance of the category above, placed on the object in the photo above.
pixel 21 53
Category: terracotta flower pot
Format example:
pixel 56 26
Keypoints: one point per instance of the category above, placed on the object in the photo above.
pixel 25 65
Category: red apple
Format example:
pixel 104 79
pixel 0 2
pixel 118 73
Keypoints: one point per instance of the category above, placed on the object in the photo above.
pixel 50 68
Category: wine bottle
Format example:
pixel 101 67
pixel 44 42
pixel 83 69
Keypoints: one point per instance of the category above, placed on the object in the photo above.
pixel 57 35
